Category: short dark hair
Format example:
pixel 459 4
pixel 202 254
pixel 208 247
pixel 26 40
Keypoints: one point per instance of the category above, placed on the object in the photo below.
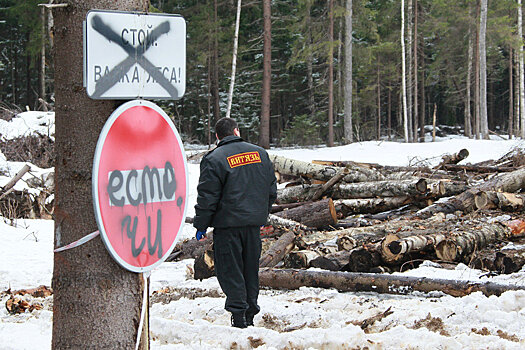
pixel 224 127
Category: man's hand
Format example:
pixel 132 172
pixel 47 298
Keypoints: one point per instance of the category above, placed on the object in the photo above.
pixel 200 235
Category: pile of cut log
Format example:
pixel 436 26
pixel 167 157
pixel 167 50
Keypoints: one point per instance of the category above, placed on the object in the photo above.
pixel 357 217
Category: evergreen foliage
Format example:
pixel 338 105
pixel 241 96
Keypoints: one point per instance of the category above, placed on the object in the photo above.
pixel 300 46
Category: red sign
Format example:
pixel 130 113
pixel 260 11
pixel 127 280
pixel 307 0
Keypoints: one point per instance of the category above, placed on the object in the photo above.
pixel 140 185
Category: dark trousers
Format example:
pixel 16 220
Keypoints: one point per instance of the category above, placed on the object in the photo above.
pixel 236 255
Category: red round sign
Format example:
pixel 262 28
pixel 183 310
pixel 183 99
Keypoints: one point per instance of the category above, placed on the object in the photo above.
pixel 140 185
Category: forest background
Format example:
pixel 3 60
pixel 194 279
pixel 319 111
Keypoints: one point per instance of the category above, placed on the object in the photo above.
pixel 433 54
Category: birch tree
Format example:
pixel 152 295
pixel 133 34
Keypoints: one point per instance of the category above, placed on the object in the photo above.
pixel 234 58
pixel 348 74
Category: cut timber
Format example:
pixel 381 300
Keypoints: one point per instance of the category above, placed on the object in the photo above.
pixel 277 221
pixel 453 158
pixel 280 207
pixel 504 261
pixel 395 249
pixel 478 168
pixel 445 188
pixel 300 259
pixel 371 205
pixel 505 182
pixel 329 184
pixel 320 172
pixel 365 258
pixel 373 189
pixel 316 214
pixel 379 283
pixel 278 250
pixel 332 262
pixel 191 249
pixel 502 200
pixel 204 266
pixel 380 189
pixel 462 244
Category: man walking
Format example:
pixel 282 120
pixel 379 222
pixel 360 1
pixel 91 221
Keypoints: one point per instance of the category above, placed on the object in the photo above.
pixel 236 190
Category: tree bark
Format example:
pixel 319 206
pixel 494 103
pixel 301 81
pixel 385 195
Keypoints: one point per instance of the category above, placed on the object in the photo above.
pixel 264 133
pixel 331 74
pixel 502 261
pixel 468 113
pixel 521 70
pixel 403 73
pixel 320 172
pixel 371 205
pixel 278 250
pixel 477 168
pixel 463 244
pixel 453 158
pixel 501 200
pixel 506 182
pixel 317 214
pixel 96 302
pixel 483 70
pixel 378 283
pixel 234 59
pixel 348 74
pixel 511 93
pixel 391 188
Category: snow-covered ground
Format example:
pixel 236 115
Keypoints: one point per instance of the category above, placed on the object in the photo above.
pixel 189 314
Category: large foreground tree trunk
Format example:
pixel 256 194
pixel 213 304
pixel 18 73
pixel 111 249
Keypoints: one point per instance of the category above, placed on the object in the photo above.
pixel 96 302
pixel 365 282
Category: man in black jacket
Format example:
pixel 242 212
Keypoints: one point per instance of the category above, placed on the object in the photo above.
pixel 236 190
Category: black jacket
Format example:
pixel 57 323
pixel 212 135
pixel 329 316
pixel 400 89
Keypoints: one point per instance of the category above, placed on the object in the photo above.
pixel 237 186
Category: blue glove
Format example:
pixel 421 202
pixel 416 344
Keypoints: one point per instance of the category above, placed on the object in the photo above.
pixel 200 235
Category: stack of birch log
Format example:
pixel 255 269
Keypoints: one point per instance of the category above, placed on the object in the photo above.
pixel 357 217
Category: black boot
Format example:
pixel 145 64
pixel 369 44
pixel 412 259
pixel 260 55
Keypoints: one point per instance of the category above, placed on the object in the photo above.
pixel 249 319
pixel 239 320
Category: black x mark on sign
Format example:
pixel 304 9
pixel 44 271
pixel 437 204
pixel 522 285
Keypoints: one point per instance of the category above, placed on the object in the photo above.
pixel 135 55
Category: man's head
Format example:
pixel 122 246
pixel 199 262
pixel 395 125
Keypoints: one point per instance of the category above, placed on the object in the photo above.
pixel 226 127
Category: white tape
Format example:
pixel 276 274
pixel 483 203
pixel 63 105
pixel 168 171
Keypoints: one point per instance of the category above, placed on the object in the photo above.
pixel 79 242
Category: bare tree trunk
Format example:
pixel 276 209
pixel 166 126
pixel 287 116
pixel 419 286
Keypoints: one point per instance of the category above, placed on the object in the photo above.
pixel 521 73
pixel 234 58
pixel 331 75
pixel 403 72
pixel 96 302
pixel 309 62
pixel 43 55
pixel 517 107
pixel 410 73
pixel 389 114
pixel 511 93
pixel 378 103
pixel 483 70
pixel 215 65
pixel 422 107
pixel 348 74
pixel 264 134
pixel 477 73
pixel 416 104
pixel 468 114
